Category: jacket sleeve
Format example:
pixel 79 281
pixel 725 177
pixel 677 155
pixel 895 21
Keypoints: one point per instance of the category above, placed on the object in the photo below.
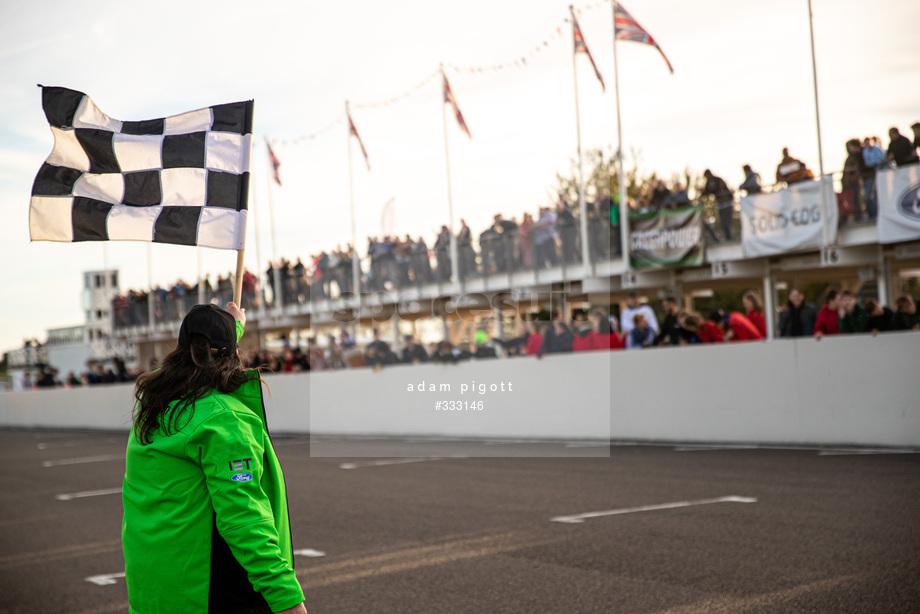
pixel 229 447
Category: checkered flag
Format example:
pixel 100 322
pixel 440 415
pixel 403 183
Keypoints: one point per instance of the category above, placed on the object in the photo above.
pixel 182 179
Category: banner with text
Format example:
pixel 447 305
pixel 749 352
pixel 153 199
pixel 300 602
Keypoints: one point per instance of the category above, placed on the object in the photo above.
pixel 899 204
pixel 787 220
pixel 669 237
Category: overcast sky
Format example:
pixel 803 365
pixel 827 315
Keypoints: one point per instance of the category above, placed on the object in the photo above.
pixel 741 91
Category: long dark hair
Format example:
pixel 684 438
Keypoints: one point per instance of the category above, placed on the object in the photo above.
pixel 184 376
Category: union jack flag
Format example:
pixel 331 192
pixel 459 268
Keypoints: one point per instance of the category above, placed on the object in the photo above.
pixel 274 161
pixel 449 97
pixel 582 47
pixel 628 29
pixel 354 132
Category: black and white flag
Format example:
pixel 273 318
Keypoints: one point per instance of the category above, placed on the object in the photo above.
pixel 182 179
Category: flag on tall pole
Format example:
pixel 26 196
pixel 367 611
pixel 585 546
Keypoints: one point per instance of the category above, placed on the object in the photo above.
pixel 273 159
pixel 449 98
pixel 354 132
pixel 355 261
pixel 582 47
pixel 453 268
pixel 628 29
pixel 583 217
pixel 182 179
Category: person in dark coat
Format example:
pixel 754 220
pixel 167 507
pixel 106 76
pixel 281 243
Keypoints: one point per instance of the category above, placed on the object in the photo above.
pixel 879 319
pixel 413 353
pixel 671 332
pixel 854 167
pixel 907 317
pixel 725 203
pixel 798 317
pixel 900 149
pixel 550 344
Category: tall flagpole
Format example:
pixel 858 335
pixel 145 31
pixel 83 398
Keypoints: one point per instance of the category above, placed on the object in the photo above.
pixel 276 271
pixel 151 311
pixel 202 299
pixel 255 221
pixel 814 75
pixel 355 261
pixel 581 167
pixel 450 199
pixel 624 206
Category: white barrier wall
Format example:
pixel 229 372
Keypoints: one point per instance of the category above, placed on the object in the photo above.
pixel 98 407
pixel 859 390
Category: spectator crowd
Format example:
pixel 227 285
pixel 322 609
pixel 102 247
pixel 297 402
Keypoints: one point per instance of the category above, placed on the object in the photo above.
pixel 47 376
pixel 637 327
pixel 550 238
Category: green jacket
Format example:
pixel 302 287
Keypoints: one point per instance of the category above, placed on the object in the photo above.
pixel 854 322
pixel 206 526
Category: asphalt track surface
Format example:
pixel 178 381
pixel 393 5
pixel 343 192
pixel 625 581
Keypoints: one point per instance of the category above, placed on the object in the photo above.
pixel 830 531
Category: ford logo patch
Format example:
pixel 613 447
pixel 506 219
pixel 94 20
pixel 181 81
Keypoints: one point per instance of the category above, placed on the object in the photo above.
pixel 909 203
pixel 241 477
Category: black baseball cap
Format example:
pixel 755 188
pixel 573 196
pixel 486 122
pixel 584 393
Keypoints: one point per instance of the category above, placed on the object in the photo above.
pixel 214 323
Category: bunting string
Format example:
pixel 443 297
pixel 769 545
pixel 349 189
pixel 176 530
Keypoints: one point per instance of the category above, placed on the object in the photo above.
pixel 309 137
pixel 399 97
pixel 522 61
pixel 518 62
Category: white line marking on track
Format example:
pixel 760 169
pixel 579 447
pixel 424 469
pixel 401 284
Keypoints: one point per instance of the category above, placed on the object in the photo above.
pixel 856 451
pixel 577 518
pixel 507 442
pixel 87 493
pixel 75 444
pixel 309 552
pixel 428 439
pixel 105 579
pixel 84 459
pixel 398 461
pixel 587 445
pixel 700 448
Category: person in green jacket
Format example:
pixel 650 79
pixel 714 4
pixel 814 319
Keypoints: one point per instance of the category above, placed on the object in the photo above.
pixel 206 526
pixel 852 315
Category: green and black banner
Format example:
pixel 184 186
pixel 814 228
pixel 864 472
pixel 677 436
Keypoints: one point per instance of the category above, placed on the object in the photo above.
pixel 668 237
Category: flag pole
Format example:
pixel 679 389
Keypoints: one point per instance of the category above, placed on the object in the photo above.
pixel 238 285
pixel 276 271
pixel 624 206
pixel 450 199
pixel 355 260
pixel 150 309
pixel 825 231
pixel 581 167
pixel 202 298
pixel 255 221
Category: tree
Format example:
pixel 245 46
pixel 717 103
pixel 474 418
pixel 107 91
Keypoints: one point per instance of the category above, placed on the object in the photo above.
pixel 602 179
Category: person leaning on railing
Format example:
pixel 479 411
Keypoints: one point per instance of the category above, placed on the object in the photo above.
pixel 907 317
pixel 725 204
pixel 879 319
pixel 751 183
pixel 854 167
pixel 900 149
pixel 874 160
pixel 792 170
pixel 852 315
pixel 797 319
pixel 828 320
